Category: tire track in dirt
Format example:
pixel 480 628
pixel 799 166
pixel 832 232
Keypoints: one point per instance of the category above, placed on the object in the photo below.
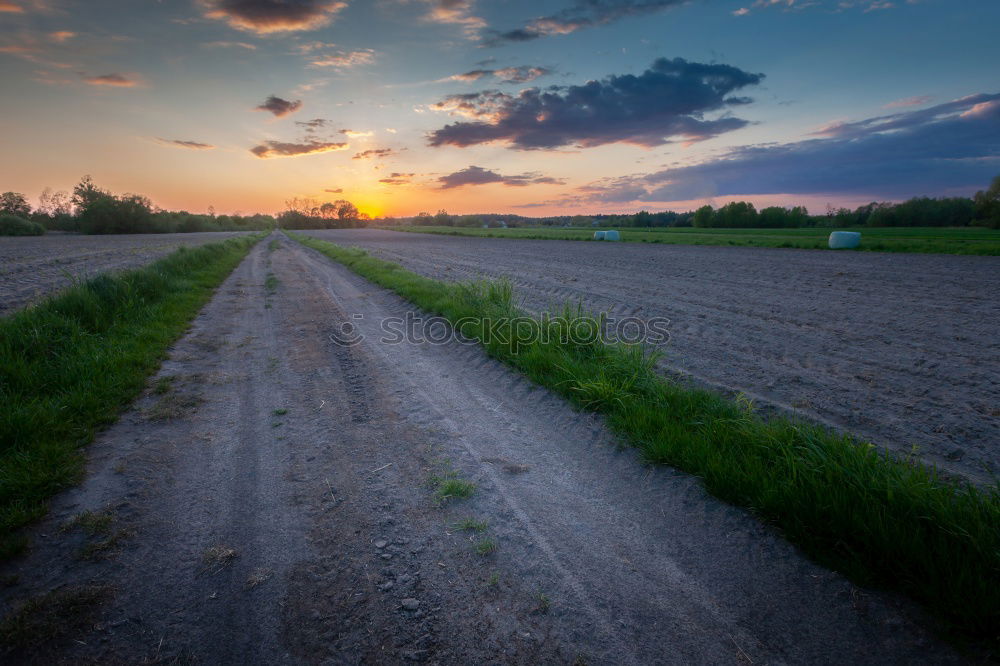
pixel 341 553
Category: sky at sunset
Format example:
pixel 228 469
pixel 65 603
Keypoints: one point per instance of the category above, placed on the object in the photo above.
pixel 535 108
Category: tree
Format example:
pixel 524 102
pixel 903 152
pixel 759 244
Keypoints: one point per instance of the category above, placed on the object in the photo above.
pixel 86 193
pixel 14 203
pixel 443 219
pixel 127 214
pixel 736 215
pixel 54 204
pixel 986 206
pixel 347 212
pixel 703 217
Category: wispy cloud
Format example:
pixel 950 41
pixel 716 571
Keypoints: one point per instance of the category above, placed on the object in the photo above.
pixel 282 149
pixel 522 74
pixel 457 12
pixel 831 6
pixel 581 14
pixel 396 178
pixel 230 45
pixel 180 143
pixel 374 153
pixel 670 99
pixel 113 80
pixel 323 54
pixel 919 100
pixel 273 16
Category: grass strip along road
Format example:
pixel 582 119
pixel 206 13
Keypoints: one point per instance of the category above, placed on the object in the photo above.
pixel 70 364
pixel 879 519
pixel 935 240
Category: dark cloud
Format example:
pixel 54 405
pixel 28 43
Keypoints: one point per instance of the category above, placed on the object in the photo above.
pixel 374 153
pixel 268 16
pixel 338 190
pixel 668 100
pixel 113 80
pixel 581 14
pixel 946 148
pixel 521 74
pixel 474 175
pixel 279 107
pixel 282 149
pixel 397 178
pixel 180 143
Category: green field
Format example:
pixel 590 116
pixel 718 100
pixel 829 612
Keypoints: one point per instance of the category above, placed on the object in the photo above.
pixel 939 240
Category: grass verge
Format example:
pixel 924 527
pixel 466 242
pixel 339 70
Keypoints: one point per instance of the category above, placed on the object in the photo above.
pixel 70 364
pixel 880 519
pixel 940 240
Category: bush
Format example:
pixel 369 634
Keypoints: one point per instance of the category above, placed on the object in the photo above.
pixel 12 225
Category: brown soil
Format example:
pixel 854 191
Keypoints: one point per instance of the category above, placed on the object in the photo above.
pixel 901 349
pixel 246 534
pixel 34 267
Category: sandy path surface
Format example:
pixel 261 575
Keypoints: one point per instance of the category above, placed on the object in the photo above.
pixel 901 349
pixel 35 266
pixel 342 554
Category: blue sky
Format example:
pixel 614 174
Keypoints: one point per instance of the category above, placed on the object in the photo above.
pixel 553 106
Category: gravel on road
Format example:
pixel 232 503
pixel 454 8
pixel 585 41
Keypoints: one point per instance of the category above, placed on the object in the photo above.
pixel 272 506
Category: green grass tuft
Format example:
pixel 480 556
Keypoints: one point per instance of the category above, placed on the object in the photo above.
pixel 878 518
pixel 70 364
pixel 449 486
pixel 471 525
pixel 486 547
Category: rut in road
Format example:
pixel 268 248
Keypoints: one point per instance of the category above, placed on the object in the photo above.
pixel 247 534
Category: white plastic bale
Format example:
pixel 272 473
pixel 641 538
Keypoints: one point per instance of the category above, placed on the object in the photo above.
pixel 599 235
pixel 844 240
pixel 612 235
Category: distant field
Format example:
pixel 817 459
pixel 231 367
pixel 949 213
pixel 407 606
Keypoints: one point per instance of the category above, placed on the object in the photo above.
pixel 941 240
pixel 32 267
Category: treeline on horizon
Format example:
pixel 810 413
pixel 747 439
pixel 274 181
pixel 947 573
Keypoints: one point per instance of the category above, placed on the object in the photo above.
pixel 981 210
pixel 92 210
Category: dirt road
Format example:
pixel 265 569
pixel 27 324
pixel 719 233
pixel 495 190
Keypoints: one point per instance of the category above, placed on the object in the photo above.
pixel 236 532
pixel 898 348
pixel 33 267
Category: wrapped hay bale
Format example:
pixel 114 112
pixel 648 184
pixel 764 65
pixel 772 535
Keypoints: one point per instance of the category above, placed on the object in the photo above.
pixel 844 240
